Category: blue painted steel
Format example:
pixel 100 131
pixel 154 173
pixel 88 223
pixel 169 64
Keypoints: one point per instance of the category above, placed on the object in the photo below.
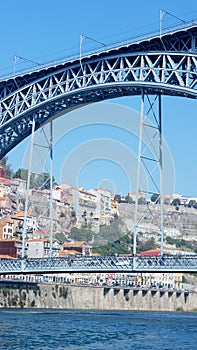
pixel 159 65
pixel 99 264
pixel 164 65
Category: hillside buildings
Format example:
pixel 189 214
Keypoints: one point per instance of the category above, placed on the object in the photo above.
pixel 71 207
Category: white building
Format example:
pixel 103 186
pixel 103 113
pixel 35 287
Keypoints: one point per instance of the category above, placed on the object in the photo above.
pixel 31 221
pixel 84 204
pixel 105 201
pixel 40 248
pixel 18 185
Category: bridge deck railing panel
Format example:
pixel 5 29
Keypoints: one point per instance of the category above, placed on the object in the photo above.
pixel 89 264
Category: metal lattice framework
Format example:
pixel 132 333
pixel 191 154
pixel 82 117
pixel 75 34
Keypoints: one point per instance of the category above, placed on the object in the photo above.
pixel 159 65
pixel 98 264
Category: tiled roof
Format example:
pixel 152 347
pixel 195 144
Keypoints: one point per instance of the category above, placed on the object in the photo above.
pixel 4 221
pixel 4 181
pixel 88 193
pixel 22 214
pixel 68 252
pixel 41 232
pixel 11 240
pixel 14 217
pixel 74 244
pixel 153 252
pixel 38 240
pixel 5 199
pixel 17 179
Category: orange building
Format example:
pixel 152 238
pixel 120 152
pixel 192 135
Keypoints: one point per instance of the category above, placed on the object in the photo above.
pixel 6 228
pixel 76 248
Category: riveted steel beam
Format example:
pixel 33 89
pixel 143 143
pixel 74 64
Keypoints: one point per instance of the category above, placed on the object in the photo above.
pixel 163 73
pixel 99 264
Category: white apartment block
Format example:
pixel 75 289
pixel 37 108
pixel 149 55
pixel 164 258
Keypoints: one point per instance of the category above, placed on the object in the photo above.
pixel 40 248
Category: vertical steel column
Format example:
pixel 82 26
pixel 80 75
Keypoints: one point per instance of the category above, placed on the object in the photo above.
pixel 27 190
pixel 135 230
pixel 51 188
pixel 161 178
pixel 150 131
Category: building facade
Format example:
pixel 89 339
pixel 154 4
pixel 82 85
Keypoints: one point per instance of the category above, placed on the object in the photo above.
pixel 6 228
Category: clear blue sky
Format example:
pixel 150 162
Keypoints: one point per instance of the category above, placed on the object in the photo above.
pixel 45 30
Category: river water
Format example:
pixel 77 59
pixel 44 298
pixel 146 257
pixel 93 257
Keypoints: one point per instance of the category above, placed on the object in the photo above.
pixel 122 330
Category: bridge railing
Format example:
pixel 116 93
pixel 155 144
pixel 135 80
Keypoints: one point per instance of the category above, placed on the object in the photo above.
pixel 109 46
pixel 167 263
pixel 99 264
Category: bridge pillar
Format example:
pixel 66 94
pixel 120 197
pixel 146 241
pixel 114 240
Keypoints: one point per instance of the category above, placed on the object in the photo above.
pixel 149 188
pixel 45 142
pixel 135 231
pixel 51 187
pixel 27 191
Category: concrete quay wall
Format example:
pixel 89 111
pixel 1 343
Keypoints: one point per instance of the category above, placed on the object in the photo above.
pixel 97 298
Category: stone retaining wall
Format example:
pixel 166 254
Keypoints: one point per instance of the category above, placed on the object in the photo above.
pixel 97 298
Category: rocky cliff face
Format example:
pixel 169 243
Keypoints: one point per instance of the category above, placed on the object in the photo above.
pixel 98 298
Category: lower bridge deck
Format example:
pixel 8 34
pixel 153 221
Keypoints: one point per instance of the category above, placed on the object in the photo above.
pixel 186 263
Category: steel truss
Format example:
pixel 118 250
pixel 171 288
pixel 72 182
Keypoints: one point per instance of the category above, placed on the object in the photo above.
pixel 150 157
pixel 161 65
pixel 168 68
pixel 99 264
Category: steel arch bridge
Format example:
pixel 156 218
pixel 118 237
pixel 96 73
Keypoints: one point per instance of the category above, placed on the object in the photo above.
pixel 164 65
pixel 158 65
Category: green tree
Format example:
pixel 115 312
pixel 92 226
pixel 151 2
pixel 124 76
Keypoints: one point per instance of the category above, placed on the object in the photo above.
pixel 81 234
pixel 146 245
pixel 117 198
pixel 22 173
pixel 191 203
pixel 141 200
pixel 73 216
pixel 61 237
pixel 176 202
pixel 155 198
pixel 123 245
pixel 42 181
pixel 84 216
pixel 128 199
pixel 73 213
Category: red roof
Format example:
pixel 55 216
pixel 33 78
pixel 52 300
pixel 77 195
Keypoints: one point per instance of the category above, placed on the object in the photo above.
pixel 21 214
pixel 153 252
pixel 73 244
pixel 4 181
pixel 62 253
pixel 4 221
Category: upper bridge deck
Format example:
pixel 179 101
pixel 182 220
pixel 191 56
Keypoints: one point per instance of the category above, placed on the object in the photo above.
pixel 179 39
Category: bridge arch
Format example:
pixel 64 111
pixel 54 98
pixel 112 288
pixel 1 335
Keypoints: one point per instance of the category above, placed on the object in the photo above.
pixel 164 65
pixel 161 65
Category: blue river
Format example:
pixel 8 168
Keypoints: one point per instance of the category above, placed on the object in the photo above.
pixel 121 330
